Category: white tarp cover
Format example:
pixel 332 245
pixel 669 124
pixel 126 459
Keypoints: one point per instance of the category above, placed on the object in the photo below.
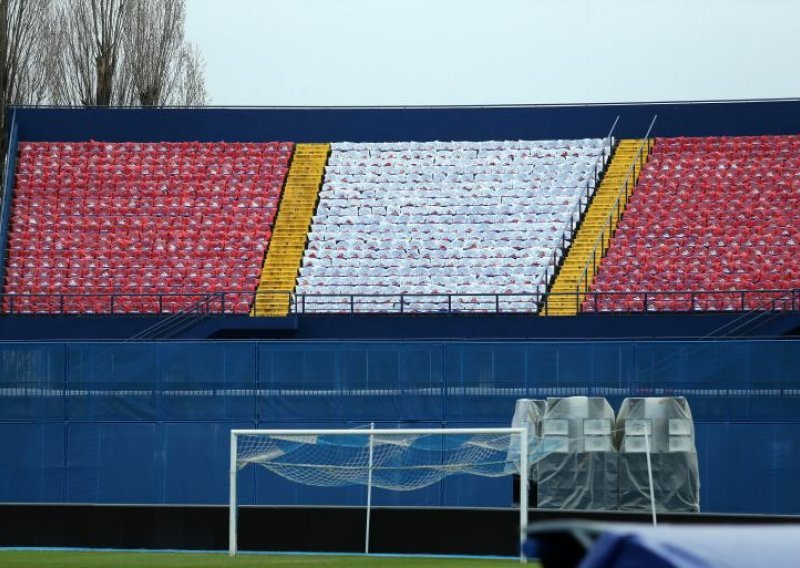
pixel 579 467
pixel 527 412
pixel 676 478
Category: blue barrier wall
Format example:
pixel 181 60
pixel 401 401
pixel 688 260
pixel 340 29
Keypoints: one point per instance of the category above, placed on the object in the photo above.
pixel 512 327
pixel 736 118
pixel 149 422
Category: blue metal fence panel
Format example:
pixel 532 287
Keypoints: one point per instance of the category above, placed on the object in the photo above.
pixel 353 381
pixel 32 462
pixel 196 459
pixel 749 468
pixel 32 378
pixel 115 462
pixel 149 422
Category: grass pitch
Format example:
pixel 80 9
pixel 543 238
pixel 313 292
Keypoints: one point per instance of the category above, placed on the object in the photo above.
pixel 82 559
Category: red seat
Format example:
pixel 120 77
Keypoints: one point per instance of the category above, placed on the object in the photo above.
pixel 124 217
pixel 696 224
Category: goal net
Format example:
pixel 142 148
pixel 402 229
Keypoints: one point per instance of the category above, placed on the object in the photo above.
pixel 390 459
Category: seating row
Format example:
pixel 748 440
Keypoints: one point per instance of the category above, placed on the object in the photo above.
pixel 204 147
pixel 110 227
pixel 385 224
pixel 682 232
pixel 455 146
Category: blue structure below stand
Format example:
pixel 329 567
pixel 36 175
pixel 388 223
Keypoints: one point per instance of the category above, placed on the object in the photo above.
pixel 346 327
pixel 91 413
pixel 148 423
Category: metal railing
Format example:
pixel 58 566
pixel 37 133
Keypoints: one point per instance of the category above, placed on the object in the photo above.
pixel 185 318
pixel 409 303
pixel 747 323
pixel 178 305
pixel 559 253
pixel 758 315
pixel 606 233
pixel 124 303
pixel 687 301
pixel 180 308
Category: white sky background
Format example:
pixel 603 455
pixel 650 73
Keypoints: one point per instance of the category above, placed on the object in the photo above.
pixel 453 52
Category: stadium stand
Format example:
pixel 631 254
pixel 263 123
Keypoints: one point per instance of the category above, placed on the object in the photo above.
pixel 712 218
pixel 441 226
pixel 282 263
pixel 597 228
pixel 140 228
pixel 118 436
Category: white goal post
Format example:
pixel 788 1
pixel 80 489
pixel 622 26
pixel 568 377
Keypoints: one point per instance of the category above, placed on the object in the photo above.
pixel 269 456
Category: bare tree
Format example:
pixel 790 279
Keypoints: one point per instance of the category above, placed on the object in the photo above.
pixel 4 31
pixel 161 68
pixel 107 25
pixel 125 52
pixel 190 83
pixel 88 42
pixel 96 53
pixel 23 24
pixel 154 36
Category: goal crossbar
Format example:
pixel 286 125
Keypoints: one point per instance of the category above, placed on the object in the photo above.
pixel 371 433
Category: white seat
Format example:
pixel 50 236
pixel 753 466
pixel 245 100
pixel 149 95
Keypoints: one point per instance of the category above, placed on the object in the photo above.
pixel 445 217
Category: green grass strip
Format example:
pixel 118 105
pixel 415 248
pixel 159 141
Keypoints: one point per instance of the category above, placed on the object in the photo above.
pixel 69 559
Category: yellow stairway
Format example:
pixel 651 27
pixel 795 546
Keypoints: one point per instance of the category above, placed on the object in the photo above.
pixel 582 252
pixel 288 242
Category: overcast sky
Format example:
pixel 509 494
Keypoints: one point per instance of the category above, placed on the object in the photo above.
pixel 438 52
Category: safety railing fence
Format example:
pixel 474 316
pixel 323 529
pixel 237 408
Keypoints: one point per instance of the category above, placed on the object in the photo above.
pixel 609 146
pixel 406 303
pixel 567 234
pixel 123 303
pixel 759 314
pixel 753 316
pixel 687 301
pixel 182 319
pixel 179 307
pixel 606 233
pixel 571 224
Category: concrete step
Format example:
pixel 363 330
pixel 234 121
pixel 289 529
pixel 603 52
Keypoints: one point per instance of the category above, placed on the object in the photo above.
pixel 600 217
pixel 280 275
pixel 290 233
